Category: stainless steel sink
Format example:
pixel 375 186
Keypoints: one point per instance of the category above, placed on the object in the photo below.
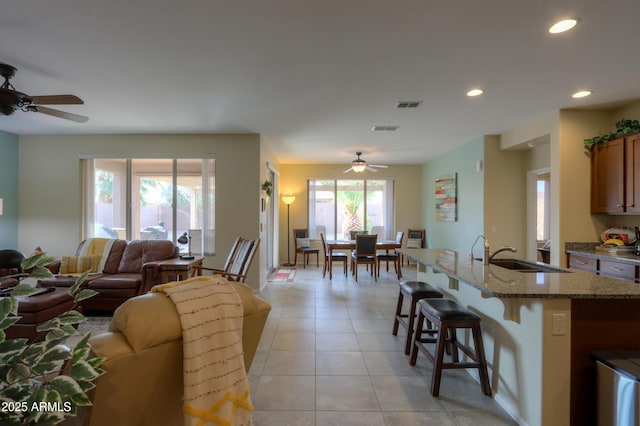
pixel 524 266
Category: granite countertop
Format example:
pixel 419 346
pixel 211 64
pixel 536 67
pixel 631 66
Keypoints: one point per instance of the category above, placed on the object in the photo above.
pixel 500 282
pixel 589 250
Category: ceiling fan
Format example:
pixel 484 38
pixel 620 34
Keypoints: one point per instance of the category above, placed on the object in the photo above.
pixel 11 99
pixel 359 165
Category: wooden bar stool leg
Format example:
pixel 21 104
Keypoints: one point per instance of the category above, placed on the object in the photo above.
pixel 396 322
pixel 416 339
pixel 410 325
pixel 452 345
pixel 438 361
pixel 482 369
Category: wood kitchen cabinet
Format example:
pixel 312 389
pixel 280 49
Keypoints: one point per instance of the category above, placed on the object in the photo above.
pixel 615 176
pixel 611 268
pixel 606 267
pixel 588 264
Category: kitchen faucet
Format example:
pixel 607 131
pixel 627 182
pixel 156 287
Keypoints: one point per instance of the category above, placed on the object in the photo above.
pixel 486 256
pixel 505 248
pixel 485 252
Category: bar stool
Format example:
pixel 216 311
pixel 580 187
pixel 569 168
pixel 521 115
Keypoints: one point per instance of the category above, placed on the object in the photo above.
pixel 416 290
pixel 447 316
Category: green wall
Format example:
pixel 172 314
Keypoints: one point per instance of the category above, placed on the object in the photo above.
pixel 458 235
pixel 9 190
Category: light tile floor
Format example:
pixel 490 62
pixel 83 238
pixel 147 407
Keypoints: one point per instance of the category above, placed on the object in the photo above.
pixel 327 357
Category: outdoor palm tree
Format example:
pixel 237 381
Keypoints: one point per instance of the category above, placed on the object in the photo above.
pixel 352 200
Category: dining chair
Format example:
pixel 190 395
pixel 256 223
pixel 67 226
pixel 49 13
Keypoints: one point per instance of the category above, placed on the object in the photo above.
pixel 352 234
pixel 302 245
pixel 340 257
pixel 380 231
pixel 415 239
pixel 391 256
pixel 364 253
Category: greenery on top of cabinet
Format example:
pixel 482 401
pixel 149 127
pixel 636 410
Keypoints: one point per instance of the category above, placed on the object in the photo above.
pixel 623 127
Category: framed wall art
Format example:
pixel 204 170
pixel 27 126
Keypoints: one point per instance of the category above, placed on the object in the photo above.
pixel 446 197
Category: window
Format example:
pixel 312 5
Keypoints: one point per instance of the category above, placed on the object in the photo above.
pixel 337 207
pixel 543 207
pixel 151 198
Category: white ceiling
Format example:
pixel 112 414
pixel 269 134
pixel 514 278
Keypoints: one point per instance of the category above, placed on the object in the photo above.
pixel 313 77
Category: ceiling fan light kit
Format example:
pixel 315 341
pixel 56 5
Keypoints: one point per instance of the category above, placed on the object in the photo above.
pixel 11 100
pixel 359 165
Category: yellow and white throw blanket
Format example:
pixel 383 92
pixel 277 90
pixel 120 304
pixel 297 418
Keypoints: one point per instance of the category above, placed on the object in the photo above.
pixel 92 257
pixel 216 388
pixel 97 247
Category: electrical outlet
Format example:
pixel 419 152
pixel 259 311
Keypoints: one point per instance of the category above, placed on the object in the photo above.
pixel 559 324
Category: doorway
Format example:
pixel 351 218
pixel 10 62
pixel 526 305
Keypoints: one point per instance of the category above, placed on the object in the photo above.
pixel 271 220
pixel 538 214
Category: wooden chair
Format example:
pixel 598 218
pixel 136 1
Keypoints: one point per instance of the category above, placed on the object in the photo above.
pixel 341 257
pixel 364 253
pixel 302 246
pixel 380 231
pixel 352 234
pixel 391 256
pixel 238 261
pixel 415 239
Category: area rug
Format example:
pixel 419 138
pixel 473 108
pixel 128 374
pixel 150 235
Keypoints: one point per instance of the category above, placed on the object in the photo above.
pixel 97 325
pixel 282 275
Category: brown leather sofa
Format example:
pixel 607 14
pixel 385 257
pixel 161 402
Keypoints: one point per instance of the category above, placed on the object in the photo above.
pixel 143 382
pixel 131 269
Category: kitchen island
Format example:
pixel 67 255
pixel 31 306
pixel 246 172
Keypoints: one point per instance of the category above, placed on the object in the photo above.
pixel 539 330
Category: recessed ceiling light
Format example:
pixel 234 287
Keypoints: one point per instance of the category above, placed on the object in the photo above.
pixel 475 92
pixel 581 94
pixel 563 25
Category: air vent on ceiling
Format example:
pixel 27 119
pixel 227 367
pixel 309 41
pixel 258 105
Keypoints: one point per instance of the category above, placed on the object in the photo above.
pixel 384 128
pixel 408 104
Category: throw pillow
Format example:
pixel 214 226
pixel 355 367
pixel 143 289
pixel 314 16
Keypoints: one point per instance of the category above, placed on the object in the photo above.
pixel 414 243
pixel 79 264
pixel 303 242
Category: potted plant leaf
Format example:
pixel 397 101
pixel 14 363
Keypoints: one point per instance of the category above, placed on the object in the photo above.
pixel 43 382
pixel 267 185
pixel 623 127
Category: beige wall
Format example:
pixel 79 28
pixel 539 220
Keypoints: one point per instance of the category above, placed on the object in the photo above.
pixel 268 162
pixel 504 196
pixel 49 185
pixel 293 181
pixel 539 156
pixel 574 170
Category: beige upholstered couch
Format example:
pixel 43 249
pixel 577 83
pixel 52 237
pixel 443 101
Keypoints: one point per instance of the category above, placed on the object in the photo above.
pixel 143 382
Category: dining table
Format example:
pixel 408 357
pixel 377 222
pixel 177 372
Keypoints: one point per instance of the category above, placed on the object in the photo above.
pixel 351 245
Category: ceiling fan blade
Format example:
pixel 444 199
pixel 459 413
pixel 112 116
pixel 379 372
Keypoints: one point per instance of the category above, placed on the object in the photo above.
pixel 382 166
pixel 348 170
pixel 60 114
pixel 56 100
pixel 370 169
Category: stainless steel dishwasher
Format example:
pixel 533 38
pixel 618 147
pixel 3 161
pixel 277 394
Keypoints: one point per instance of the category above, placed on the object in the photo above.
pixel 618 377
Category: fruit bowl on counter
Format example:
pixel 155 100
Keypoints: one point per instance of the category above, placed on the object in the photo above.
pixel 616 240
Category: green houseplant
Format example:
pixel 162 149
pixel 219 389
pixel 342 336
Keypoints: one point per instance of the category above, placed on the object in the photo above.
pixel 267 185
pixel 43 382
pixel 623 127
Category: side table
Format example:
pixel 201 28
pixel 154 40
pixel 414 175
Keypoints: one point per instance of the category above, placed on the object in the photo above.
pixel 178 269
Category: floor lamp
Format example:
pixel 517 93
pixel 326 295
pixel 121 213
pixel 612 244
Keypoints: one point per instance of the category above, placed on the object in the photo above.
pixel 288 200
